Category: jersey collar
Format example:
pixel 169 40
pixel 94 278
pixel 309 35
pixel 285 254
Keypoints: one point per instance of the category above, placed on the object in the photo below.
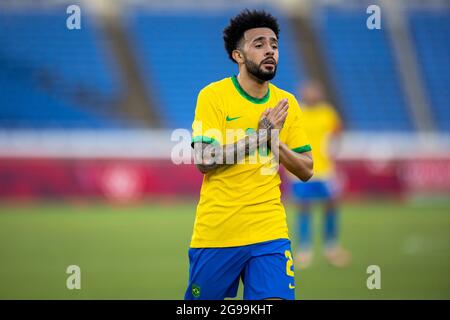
pixel 246 95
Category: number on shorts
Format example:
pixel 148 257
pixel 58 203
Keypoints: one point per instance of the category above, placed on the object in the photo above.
pixel 289 263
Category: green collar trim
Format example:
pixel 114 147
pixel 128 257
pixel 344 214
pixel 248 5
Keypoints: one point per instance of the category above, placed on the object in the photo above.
pixel 247 96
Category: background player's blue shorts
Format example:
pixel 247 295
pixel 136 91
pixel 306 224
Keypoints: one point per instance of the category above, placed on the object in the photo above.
pixel 266 270
pixel 312 190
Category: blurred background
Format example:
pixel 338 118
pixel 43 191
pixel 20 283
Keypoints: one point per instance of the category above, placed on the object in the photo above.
pixel 86 123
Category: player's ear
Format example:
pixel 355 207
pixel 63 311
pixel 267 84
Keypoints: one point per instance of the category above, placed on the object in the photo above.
pixel 237 56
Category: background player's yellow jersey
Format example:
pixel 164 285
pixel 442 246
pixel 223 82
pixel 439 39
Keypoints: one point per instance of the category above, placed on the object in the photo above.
pixel 240 204
pixel 320 122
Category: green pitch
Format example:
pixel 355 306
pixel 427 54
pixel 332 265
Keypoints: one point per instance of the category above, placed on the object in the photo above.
pixel 141 252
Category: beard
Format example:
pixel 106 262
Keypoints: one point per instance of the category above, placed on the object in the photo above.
pixel 258 72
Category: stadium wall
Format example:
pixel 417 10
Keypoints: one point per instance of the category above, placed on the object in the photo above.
pixel 135 165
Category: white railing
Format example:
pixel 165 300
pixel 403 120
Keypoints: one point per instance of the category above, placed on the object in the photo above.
pixel 158 144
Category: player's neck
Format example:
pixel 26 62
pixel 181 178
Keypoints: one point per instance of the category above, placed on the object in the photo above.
pixel 253 86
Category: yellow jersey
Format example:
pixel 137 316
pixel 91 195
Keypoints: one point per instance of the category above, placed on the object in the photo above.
pixel 320 122
pixel 240 204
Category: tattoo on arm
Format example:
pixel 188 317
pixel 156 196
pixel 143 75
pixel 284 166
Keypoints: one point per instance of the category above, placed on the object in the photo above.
pixel 211 156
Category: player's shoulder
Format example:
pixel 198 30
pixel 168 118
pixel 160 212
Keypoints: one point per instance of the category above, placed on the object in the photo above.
pixel 327 108
pixel 283 94
pixel 278 93
pixel 216 87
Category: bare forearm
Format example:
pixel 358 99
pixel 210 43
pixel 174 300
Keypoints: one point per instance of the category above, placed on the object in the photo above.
pixel 210 157
pixel 300 164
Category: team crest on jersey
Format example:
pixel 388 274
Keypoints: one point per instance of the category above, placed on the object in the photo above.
pixel 196 290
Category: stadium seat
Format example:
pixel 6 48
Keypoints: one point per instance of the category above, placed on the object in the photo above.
pixel 53 77
pixel 363 71
pixel 430 31
pixel 176 65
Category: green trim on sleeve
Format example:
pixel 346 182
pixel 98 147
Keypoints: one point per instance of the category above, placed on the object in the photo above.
pixel 203 139
pixel 301 149
pixel 247 96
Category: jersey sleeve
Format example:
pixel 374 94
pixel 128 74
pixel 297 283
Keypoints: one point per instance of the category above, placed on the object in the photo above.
pixel 208 120
pixel 296 138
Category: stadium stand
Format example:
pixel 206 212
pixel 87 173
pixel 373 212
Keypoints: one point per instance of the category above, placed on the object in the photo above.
pixel 363 71
pixel 431 33
pixel 53 77
pixel 177 65
pixel 56 78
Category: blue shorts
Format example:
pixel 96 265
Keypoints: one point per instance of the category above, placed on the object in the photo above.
pixel 266 270
pixel 312 190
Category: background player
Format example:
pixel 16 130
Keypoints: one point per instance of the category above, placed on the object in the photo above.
pixel 240 230
pixel 322 124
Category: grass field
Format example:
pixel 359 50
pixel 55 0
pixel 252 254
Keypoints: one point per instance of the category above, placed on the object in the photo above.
pixel 141 252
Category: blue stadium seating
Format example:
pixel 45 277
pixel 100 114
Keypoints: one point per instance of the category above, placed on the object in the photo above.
pixel 364 74
pixel 431 34
pixel 181 52
pixel 51 76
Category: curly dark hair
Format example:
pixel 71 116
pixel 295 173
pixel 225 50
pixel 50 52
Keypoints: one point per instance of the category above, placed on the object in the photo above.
pixel 244 21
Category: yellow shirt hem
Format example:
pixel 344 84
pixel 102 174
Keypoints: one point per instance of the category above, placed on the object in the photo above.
pixel 235 242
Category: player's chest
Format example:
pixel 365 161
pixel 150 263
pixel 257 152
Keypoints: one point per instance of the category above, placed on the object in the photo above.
pixel 243 117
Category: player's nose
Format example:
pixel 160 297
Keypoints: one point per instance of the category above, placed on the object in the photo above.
pixel 269 52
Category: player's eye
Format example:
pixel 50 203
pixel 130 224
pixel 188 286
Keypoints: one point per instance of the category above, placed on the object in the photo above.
pixel 274 47
pixel 258 45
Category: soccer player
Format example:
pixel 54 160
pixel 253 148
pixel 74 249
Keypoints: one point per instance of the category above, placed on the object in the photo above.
pixel 240 230
pixel 321 123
